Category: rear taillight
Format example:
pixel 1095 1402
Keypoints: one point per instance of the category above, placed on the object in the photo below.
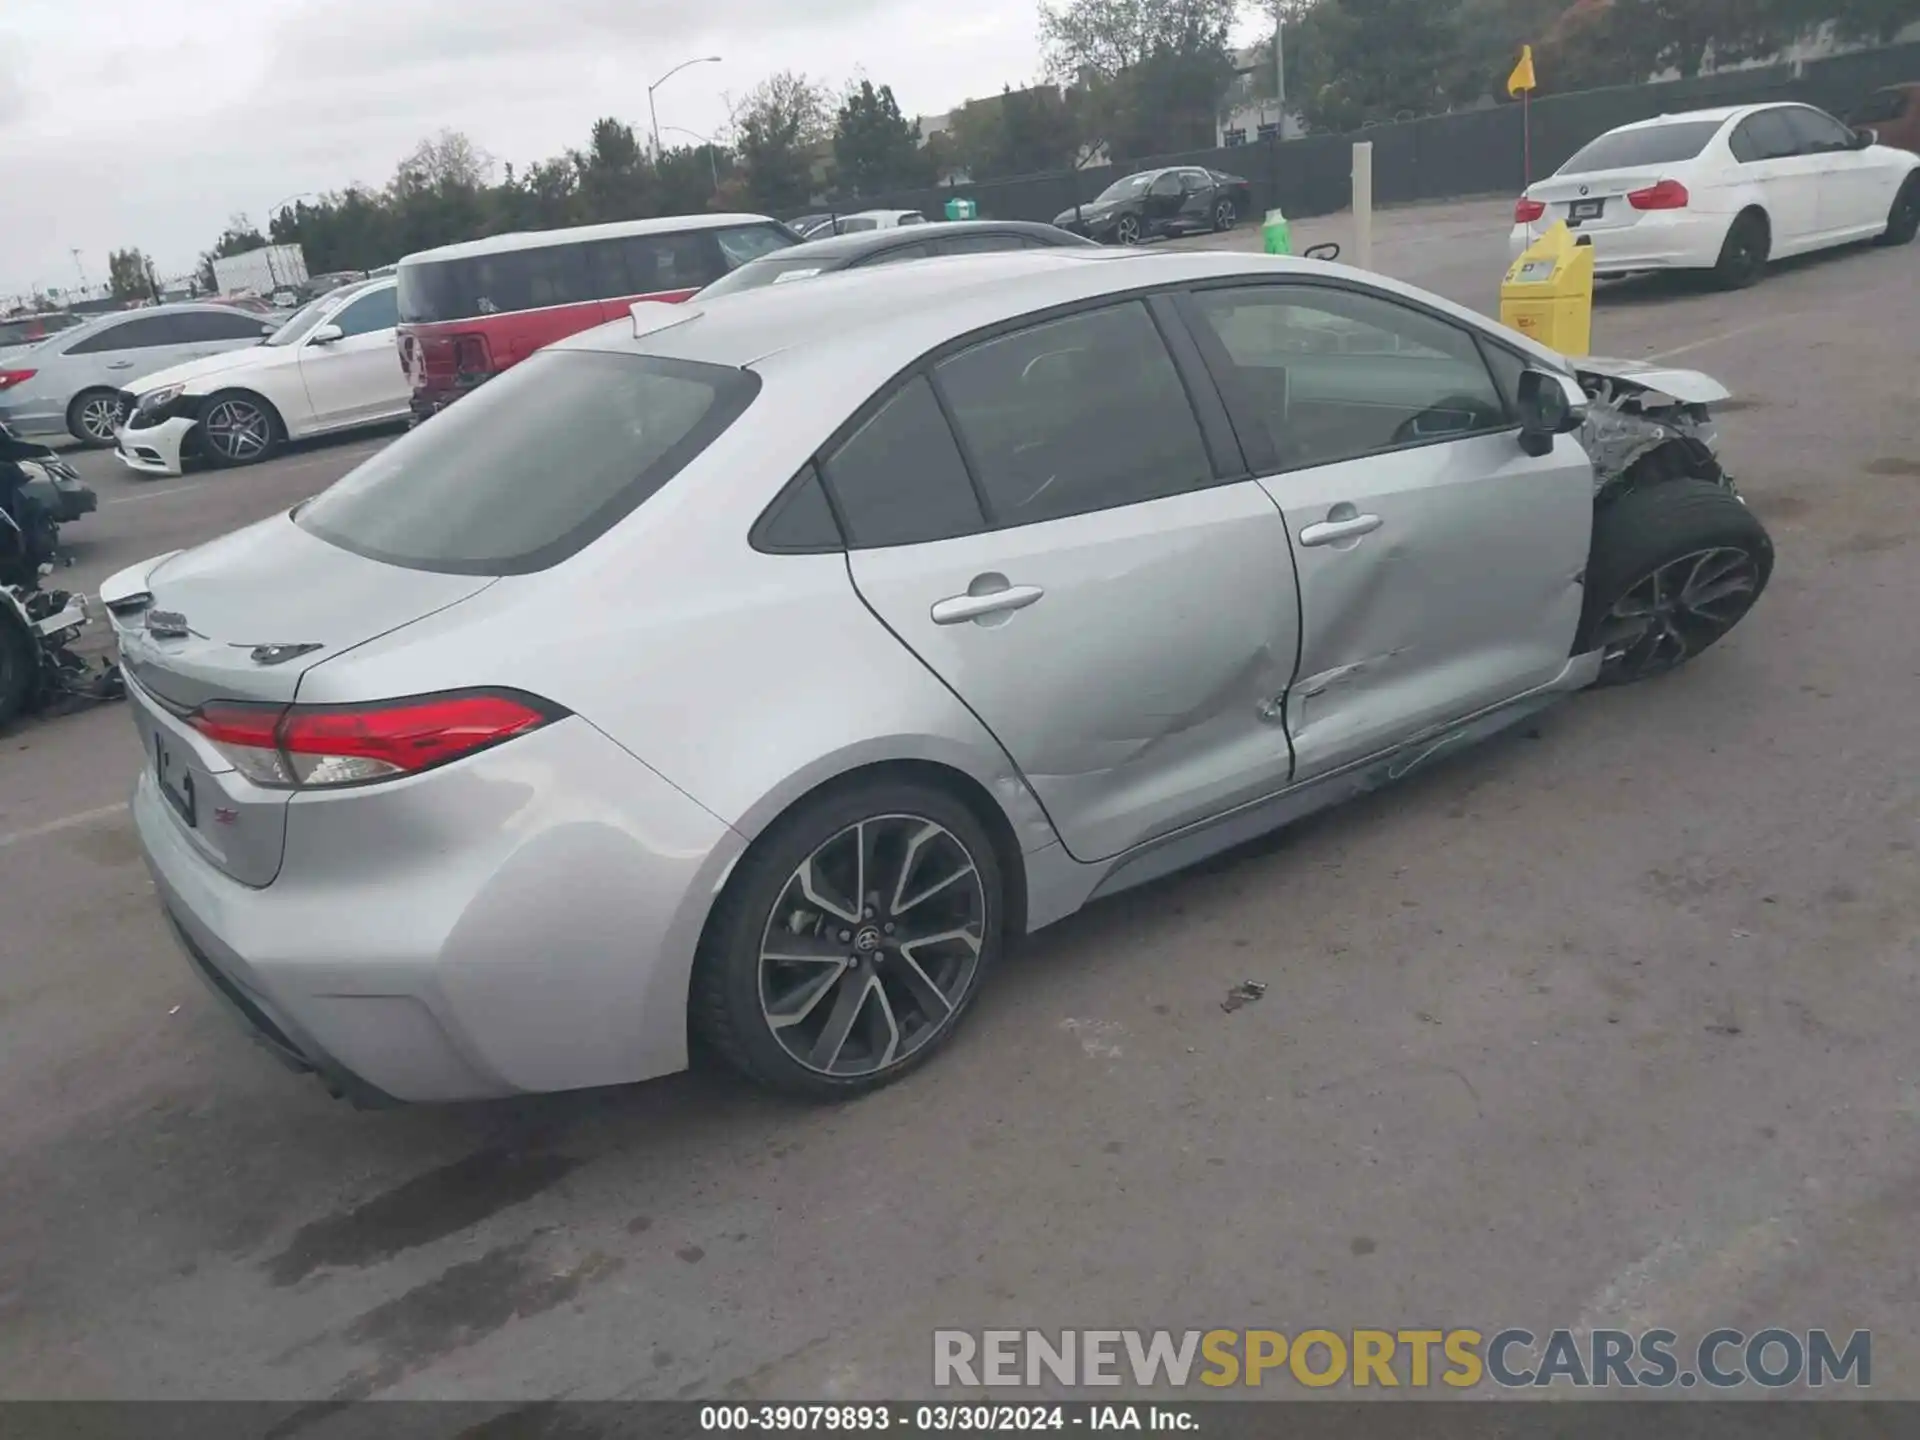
pixel 1667 195
pixel 313 746
pixel 1528 210
pixel 10 378
pixel 470 356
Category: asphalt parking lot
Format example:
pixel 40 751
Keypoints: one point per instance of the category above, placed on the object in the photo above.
pixel 1609 1023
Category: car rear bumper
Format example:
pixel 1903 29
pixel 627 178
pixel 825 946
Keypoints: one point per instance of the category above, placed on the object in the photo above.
pixel 1680 240
pixel 156 449
pixel 29 418
pixel 517 922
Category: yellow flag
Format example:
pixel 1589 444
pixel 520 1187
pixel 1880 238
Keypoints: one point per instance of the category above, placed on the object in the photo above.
pixel 1522 79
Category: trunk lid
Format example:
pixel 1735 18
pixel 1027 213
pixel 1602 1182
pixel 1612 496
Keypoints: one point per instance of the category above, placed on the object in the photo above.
pixel 1604 191
pixel 244 618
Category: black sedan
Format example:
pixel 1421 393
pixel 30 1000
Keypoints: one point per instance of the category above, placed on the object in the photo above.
pixel 1177 201
pixel 884 247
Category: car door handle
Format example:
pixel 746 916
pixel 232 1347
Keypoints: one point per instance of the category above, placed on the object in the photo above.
pixel 120 364
pixel 1327 532
pixel 959 609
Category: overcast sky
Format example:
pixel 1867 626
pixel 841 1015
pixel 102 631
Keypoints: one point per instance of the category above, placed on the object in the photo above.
pixel 148 122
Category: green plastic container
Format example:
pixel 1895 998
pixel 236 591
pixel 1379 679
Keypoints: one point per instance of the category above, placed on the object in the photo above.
pixel 958 209
pixel 1277 233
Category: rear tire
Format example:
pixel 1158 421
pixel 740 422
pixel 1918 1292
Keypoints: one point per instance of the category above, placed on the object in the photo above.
pixel 1126 230
pixel 921 926
pixel 95 416
pixel 1674 567
pixel 1743 258
pixel 239 428
pixel 1225 216
pixel 1903 221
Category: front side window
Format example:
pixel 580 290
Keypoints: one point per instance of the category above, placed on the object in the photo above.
pixel 741 243
pixel 202 326
pixel 896 253
pixel 1075 415
pixel 1166 185
pixel 1818 133
pixel 1334 375
pixel 377 311
pixel 533 466
pixel 899 478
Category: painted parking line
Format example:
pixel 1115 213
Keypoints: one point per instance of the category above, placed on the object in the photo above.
pixel 65 822
pixel 1723 337
pixel 156 494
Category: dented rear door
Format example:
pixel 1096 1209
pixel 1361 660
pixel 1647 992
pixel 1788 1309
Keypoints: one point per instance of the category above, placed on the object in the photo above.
pixel 1440 565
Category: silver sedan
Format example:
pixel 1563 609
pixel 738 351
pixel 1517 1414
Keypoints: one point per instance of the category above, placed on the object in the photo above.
pixel 761 668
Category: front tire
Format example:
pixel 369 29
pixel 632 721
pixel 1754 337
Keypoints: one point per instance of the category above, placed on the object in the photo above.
pixel 237 429
pixel 94 417
pixel 1126 230
pixel 1675 566
pixel 1903 221
pixel 1225 216
pixel 1743 258
pixel 851 940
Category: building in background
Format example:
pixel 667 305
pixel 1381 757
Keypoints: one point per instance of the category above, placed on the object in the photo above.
pixel 1249 111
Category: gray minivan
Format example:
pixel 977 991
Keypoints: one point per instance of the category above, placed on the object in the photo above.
pixel 72 383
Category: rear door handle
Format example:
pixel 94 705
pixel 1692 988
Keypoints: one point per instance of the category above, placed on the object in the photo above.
pixel 961 608
pixel 120 364
pixel 1327 532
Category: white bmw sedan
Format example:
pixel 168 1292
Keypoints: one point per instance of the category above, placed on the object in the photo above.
pixel 1726 191
pixel 333 366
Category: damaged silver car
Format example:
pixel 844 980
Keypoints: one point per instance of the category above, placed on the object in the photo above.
pixel 907 612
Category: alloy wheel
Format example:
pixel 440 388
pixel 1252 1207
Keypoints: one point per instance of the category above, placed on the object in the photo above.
pixel 101 417
pixel 1225 216
pixel 237 430
pixel 1676 612
pixel 872 946
pixel 1127 230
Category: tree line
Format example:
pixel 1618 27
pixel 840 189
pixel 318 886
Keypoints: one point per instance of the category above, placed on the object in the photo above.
pixel 1122 80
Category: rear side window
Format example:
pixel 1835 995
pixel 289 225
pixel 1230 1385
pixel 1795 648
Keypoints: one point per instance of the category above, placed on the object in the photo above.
pixel 1075 415
pixel 533 466
pixel 899 478
pixel 1651 145
pixel 142 334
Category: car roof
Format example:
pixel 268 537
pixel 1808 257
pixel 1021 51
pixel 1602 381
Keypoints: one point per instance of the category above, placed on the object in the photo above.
pixel 536 239
pixel 864 242
pixel 171 307
pixel 1719 115
pixel 873 322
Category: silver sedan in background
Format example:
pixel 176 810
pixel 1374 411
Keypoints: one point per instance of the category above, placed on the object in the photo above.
pixel 74 383
pixel 759 668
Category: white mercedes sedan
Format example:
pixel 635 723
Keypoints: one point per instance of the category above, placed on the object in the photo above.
pixel 333 366
pixel 1726 191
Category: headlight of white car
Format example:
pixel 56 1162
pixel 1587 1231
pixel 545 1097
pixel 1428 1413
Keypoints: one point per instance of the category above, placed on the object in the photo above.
pixel 156 399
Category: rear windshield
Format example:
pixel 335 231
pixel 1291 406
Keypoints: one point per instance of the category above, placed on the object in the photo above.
pixel 533 466
pixel 1652 145
pixel 541 276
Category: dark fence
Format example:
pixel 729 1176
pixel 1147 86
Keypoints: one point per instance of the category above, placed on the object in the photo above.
pixel 1443 157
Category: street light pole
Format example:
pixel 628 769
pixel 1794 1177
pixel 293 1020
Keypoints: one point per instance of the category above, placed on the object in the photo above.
pixel 653 115
pixel 1280 65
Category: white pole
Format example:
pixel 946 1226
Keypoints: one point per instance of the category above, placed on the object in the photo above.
pixel 1363 205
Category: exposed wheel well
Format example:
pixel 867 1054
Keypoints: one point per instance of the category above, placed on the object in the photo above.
pixel 957 783
pixel 1760 213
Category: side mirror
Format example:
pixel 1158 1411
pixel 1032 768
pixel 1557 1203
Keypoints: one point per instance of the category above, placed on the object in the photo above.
pixel 1864 138
pixel 1550 405
pixel 326 335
